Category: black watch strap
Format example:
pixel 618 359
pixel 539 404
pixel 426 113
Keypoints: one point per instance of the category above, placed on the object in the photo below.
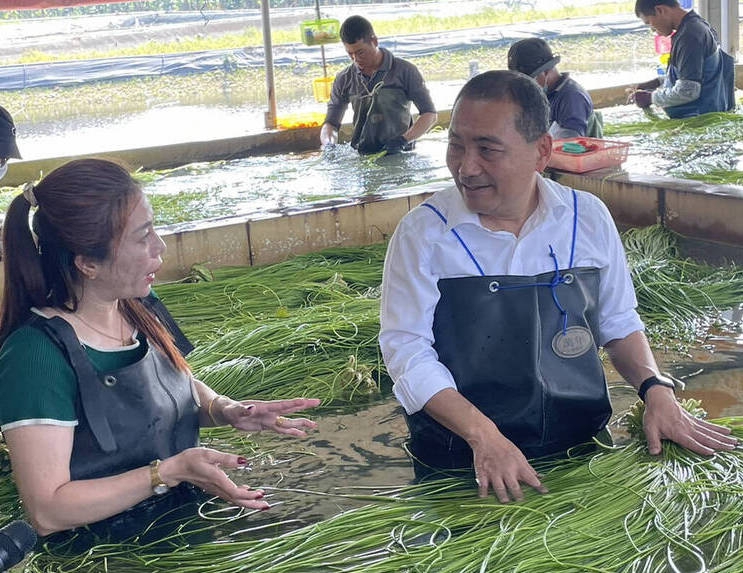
pixel 653 381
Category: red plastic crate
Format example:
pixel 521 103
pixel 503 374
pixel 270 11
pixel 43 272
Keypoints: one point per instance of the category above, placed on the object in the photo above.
pixel 602 153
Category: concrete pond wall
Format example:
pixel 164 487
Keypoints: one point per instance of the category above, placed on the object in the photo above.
pixel 709 216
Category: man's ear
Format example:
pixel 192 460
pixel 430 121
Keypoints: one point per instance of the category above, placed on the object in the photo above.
pixel 87 267
pixel 544 150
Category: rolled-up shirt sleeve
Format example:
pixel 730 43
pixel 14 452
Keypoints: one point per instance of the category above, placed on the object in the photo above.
pixel 618 315
pixel 418 92
pixel 339 99
pixel 409 298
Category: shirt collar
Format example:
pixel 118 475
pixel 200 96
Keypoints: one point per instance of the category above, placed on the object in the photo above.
pixel 383 67
pixel 560 83
pixel 551 204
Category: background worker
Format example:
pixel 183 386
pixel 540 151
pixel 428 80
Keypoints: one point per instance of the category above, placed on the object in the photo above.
pixel 497 294
pixel 571 108
pixel 8 145
pixel 700 77
pixel 380 88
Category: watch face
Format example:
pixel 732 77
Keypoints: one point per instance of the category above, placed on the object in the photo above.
pixel 160 489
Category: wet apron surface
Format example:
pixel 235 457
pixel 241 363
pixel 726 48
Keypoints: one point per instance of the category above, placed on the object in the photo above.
pixel 522 349
pixel 126 417
pixel 718 87
pixel 379 115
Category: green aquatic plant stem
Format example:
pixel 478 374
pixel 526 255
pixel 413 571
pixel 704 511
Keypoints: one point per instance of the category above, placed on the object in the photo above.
pixel 693 148
pixel 618 510
pixel 308 326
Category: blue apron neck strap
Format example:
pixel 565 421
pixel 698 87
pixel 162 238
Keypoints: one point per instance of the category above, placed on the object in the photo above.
pixel 461 241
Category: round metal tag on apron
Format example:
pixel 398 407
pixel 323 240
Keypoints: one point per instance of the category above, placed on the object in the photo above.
pixel 574 342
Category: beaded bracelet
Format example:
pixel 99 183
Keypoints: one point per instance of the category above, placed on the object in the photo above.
pixel 209 409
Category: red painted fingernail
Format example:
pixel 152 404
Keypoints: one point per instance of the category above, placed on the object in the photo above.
pixel 242 461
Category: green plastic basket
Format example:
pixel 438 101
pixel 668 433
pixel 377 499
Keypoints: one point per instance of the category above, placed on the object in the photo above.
pixel 324 31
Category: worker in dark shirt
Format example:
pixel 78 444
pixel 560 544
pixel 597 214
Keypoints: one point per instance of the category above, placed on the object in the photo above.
pixel 571 108
pixel 700 77
pixel 380 88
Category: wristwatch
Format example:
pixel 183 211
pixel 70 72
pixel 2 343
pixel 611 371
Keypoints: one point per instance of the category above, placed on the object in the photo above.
pixel 159 487
pixel 654 381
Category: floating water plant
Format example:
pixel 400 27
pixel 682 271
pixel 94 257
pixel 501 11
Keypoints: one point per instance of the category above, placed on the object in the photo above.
pixel 616 510
pixel 291 328
pixel 694 148
pixel 678 298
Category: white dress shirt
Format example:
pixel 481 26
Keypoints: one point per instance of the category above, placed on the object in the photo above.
pixel 424 250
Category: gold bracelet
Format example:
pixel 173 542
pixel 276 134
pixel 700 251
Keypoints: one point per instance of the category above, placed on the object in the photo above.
pixel 209 409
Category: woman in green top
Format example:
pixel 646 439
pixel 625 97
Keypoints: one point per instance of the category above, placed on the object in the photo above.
pixel 100 410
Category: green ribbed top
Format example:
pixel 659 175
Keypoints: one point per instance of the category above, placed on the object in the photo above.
pixel 38 385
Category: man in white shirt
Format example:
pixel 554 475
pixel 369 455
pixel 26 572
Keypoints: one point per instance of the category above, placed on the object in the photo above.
pixel 497 294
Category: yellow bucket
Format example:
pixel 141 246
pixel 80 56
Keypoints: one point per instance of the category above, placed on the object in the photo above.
pixel 321 87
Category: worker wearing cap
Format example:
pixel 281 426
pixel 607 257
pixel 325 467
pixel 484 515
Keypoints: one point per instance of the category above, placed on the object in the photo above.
pixel 8 145
pixel 571 108
pixel 380 88
pixel 700 77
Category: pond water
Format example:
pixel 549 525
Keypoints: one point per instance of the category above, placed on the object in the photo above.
pixel 363 451
pixel 265 183
pixel 176 121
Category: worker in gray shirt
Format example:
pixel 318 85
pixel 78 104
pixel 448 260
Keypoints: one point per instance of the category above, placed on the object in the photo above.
pixel 380 88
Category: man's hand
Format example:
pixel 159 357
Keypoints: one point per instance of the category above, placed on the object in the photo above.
pixel 642 98
pixel 500 465
pixel 328 135
pixel 666 419
pixel 395 145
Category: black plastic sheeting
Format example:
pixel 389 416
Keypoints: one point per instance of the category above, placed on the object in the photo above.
pixel 22 76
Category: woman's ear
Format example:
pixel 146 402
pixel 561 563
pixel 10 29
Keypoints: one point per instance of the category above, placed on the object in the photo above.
pixel 86 267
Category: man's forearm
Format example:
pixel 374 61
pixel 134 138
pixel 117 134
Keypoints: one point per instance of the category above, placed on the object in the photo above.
pixel 453 411
pixel 683 91
pixel 633 358
pixel 420 126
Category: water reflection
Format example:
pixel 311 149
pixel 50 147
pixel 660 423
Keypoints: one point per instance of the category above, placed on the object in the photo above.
pixel 312 479
pixel 363 451
pixel 262 183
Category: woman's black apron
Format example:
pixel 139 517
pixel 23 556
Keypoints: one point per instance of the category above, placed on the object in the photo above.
pixel 126 418
pixel 523 350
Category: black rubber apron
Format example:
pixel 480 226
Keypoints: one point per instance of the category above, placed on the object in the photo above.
pixel 127 418
pixel 522 349
pixel 380 114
